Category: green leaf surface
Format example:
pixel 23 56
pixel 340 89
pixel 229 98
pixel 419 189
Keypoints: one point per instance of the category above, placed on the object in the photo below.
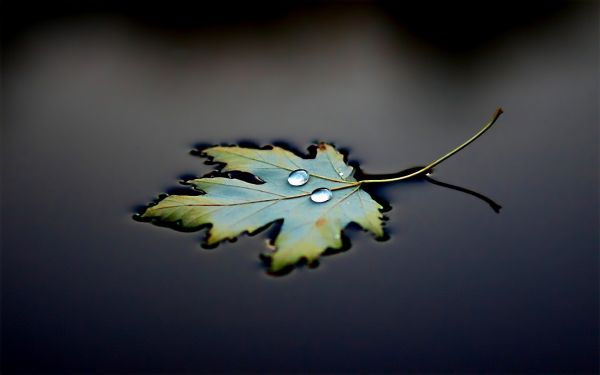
pixel 232 207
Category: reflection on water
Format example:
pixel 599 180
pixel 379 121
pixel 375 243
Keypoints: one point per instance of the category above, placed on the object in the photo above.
pixel 100 111
pixel 495 206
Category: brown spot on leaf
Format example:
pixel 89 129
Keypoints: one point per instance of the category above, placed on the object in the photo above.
pixel 320 222
pixel 322 146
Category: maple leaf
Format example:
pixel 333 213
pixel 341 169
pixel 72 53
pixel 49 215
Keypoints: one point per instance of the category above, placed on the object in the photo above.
pixel 312 222
pixel 232 207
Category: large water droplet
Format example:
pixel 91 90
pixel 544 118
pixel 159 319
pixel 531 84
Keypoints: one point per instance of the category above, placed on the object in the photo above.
pixel 321 195
pixel 298 177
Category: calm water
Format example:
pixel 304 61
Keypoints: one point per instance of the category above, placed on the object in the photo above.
pixel 99 115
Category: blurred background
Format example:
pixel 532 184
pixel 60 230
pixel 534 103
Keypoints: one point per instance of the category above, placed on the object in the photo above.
pixel 103 100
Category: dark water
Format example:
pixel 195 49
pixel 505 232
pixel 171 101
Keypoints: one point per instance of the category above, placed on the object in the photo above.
pixel 100 112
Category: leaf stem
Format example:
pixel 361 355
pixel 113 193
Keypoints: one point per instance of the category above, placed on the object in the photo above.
pixel 488 125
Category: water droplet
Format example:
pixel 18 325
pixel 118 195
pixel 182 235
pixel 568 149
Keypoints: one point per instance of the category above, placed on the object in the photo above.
pixel 298 177
pixel 321 195
pixel 341 174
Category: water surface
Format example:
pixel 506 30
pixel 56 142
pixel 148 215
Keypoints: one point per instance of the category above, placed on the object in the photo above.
pixel 99 115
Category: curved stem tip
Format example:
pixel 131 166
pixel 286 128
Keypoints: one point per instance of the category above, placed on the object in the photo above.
pixel 427 168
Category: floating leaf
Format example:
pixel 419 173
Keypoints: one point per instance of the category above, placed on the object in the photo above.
pixel 234 206
pixel 315 199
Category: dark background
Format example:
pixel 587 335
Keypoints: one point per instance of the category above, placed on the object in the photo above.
pixel 101 103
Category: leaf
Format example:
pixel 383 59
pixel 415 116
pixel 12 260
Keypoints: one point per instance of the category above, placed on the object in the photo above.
pixel 232 207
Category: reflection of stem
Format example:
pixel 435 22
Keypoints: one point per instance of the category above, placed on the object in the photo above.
pixel 491 122
pixel 495 206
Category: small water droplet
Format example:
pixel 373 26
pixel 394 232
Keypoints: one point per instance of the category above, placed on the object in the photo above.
pixel 341 174
pixel 298 177
pixel 321 195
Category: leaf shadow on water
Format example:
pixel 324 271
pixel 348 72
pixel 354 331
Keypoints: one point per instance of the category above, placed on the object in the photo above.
pixel 272 229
